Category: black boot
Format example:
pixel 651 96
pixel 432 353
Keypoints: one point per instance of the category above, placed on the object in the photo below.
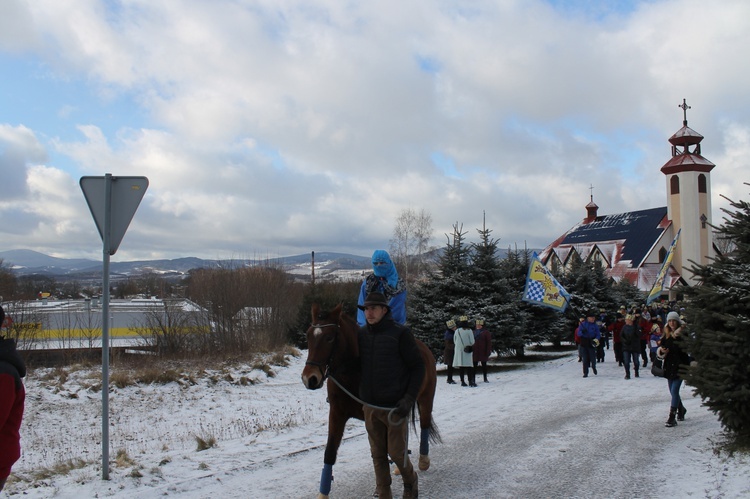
pixel 671 421
pixel 681 412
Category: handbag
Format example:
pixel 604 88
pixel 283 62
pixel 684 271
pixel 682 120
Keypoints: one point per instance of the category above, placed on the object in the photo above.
pixel 657 369
pixel 468 348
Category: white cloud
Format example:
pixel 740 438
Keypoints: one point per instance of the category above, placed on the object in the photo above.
pixel 310 125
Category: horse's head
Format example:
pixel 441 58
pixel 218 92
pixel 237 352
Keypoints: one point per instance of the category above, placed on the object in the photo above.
pixel 322 340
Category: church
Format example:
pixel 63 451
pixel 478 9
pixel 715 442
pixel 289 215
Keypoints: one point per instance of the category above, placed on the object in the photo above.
pixel 634 245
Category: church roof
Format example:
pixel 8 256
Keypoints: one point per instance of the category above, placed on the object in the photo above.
pixel 621 237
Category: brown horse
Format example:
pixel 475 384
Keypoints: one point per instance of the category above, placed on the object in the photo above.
pixel 333 353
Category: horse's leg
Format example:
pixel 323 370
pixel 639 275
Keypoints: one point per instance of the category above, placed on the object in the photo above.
pixel 425 402
pixel 336 425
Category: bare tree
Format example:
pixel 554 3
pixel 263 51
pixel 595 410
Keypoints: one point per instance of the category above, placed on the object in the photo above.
pixel 411 240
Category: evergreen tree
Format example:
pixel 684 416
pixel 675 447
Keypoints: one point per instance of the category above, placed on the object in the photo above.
pixel 445 293
pixel 719 322
pixel 519 327
pixel 492 299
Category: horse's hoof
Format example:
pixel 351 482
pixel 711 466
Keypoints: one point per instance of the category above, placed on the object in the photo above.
pixel 424 462
pixel 396 471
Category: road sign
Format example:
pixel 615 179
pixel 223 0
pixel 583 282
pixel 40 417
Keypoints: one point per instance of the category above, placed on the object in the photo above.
pixel 126 194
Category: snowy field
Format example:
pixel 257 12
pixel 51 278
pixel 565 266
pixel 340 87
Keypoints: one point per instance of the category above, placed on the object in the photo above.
pixel 538 431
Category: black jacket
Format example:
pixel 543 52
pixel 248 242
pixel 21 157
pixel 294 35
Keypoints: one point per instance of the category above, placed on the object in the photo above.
pixel 675 358
pixel 391 363
pixel 630 338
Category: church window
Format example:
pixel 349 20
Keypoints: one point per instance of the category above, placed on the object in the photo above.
pixel 702 183
pixel 674 185
pixel 662 254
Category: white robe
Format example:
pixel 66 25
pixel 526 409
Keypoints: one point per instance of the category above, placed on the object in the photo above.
pixel 462 338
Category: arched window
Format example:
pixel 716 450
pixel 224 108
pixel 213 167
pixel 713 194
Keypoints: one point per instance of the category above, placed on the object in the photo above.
pixel 701 183
pixel 674 185
pixel 662 254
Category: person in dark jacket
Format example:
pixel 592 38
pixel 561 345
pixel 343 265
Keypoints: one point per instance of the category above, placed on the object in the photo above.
pixel 392 373
pixel 482 347
pixel 12 398
pixel 449 348
pixel 589 335
pixel 673 355
pixel 630 341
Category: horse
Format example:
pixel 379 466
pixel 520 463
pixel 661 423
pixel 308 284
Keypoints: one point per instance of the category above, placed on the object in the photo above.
pixel 332 353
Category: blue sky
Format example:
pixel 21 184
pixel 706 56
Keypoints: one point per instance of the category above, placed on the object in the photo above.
pixel 277 129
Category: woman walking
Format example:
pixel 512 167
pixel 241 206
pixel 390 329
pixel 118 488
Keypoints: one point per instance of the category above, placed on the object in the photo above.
pixel 673 355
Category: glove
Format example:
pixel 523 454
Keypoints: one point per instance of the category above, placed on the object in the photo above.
pixel 595 342
pixel 404 406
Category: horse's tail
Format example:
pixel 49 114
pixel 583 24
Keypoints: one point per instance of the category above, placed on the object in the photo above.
pixel 435 437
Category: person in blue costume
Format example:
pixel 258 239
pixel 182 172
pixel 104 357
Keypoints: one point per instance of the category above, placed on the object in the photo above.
pixel 384 279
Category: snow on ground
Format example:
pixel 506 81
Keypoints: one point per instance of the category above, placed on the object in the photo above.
pixel 537 431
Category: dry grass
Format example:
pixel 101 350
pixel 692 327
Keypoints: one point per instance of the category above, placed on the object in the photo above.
pixel 205 442
pixel 122 459
pixel 61 468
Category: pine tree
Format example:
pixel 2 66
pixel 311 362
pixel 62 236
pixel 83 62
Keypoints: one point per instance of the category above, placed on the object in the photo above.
pixel 719 322
pixel 492 299
pixel 445 293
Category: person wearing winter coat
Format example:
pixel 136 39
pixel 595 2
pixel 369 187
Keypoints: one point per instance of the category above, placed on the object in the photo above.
pixel 449 349
pixel 673 357
pixel 385 280
pixel 630 339
pixel 12 399
pixel 482 347
pixel 463 338
pixel 616 328
pixel 589 336
pixel 653 343
pixel 392 372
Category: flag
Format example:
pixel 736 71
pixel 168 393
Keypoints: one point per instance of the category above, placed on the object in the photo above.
pixel 659 283
pixel 542 288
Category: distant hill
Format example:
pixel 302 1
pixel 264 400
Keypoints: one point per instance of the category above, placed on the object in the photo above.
pixel 28 262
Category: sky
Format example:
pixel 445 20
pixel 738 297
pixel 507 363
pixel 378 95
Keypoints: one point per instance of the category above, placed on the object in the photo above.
pixel 536 432
pixel 272 128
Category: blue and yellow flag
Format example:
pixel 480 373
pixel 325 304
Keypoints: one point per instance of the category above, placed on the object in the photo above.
pixel 542 288
pixel 659 283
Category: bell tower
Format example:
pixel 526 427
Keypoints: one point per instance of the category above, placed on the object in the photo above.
pixel 688 177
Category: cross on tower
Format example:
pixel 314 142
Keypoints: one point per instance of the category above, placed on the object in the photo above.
pixel 592 191
pixel 684 107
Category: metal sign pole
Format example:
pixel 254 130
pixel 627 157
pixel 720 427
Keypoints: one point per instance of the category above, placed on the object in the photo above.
pixel 105 324
pixel 101 193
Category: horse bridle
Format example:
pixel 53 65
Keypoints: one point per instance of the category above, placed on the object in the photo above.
pixel 325 367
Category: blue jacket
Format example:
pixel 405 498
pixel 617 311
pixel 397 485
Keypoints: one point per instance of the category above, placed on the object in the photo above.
pixel 588 331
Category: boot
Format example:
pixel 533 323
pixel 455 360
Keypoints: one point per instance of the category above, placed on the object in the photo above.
pixel 627 373
pixel 486 380
pixel 451 382
pixel 671 421
pixel 681 412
